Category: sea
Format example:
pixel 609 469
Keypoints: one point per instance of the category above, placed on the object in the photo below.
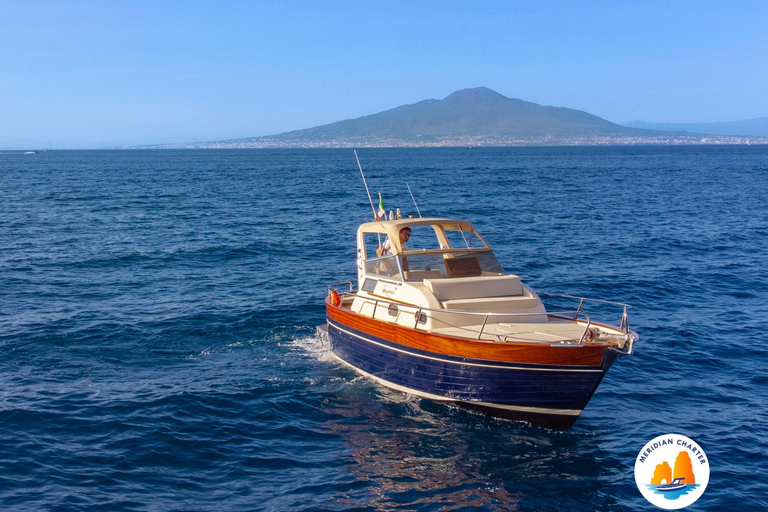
pixel 158 312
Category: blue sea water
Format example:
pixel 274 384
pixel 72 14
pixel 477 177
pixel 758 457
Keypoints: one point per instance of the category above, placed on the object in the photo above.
pixel 157 315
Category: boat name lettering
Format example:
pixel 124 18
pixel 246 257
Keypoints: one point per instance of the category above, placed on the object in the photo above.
pixel 388 291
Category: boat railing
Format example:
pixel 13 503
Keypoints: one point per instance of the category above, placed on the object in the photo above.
pixel 623 326
pixel 587 336
pixel 335 286
pixel 560 315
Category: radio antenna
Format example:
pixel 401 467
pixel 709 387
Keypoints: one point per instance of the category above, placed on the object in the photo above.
pixel 365 183
pixel 413 198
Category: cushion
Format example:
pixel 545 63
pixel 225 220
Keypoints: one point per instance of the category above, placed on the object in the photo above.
pixel 475 287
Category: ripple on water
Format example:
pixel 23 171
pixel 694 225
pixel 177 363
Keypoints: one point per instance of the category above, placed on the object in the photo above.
pixel 159 309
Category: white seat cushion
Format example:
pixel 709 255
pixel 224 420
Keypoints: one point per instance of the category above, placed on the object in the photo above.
pixel 475 287
pixel 491 304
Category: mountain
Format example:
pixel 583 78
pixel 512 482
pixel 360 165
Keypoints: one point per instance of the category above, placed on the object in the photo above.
pixel 467 114
pixel 757 127
pixel 467 117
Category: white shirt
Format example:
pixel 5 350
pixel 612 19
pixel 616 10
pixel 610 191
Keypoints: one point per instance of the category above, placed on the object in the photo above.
pixel 387 248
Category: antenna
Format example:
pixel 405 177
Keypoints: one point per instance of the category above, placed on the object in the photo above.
pixel 413 198
pixel 365 183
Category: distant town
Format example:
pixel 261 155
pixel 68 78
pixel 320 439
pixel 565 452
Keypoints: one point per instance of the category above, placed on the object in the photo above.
pixel 269 142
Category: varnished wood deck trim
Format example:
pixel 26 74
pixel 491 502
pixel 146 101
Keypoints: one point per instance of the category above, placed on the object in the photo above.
pixel 515 352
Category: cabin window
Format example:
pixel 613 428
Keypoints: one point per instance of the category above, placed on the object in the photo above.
pixel 372 242
pixel 431 263
pixel 463 239
pixel 423 237
pixel 489 264
pixel 386 266
pixel 442 265
pixel 433 252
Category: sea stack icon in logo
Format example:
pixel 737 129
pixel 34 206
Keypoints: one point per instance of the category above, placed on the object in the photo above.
pixel 672 471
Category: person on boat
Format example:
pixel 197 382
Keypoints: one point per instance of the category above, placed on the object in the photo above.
pixel 386 248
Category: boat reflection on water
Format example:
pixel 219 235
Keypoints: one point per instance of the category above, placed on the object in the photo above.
pixel 405 452
pixel 406 462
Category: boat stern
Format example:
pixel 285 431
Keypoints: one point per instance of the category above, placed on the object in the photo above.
pixel 321 332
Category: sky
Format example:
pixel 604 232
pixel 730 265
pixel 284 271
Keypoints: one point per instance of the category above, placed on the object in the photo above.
pixel 100 73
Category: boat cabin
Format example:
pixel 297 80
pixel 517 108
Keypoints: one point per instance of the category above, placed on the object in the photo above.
pixel 437 264
pixel 433 249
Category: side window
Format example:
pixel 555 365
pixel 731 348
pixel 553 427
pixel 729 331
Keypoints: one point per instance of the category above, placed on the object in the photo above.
pixel 372 242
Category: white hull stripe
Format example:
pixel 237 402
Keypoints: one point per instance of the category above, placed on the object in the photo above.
pixel 440 398
pixel 462 363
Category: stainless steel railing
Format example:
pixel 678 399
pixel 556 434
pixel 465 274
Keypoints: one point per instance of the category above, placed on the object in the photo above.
pixel 623 326
pixel 577 316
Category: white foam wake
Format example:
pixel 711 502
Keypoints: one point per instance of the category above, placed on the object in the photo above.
pixel 313 347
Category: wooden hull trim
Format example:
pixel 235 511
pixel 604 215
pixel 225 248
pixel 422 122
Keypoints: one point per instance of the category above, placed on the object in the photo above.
pixel 590 356
pixel 464 361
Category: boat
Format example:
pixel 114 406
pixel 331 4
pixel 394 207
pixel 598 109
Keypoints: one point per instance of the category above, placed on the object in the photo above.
pixel 435 315
pixel 675 485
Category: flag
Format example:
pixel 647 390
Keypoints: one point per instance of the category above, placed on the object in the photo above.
pixel 381 214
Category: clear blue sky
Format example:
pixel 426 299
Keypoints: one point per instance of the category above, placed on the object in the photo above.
pixel 83 72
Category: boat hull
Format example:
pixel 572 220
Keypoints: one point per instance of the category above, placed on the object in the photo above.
pixel 544 385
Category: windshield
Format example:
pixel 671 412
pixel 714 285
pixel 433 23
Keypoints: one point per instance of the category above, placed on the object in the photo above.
pixel 386 266
pixel 432 251
pixel 439 236
pixel 449 264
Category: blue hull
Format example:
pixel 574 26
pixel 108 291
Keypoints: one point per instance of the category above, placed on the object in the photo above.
pixel 546 395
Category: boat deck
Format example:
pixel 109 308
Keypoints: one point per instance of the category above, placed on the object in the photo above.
pixel 554 331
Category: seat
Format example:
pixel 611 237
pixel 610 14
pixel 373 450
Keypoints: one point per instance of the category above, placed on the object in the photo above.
pixel 475 287
pixel 463 267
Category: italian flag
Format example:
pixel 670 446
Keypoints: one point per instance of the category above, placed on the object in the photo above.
pixel 381 214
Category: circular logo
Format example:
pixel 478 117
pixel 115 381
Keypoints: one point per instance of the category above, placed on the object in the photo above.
pixel 672 471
